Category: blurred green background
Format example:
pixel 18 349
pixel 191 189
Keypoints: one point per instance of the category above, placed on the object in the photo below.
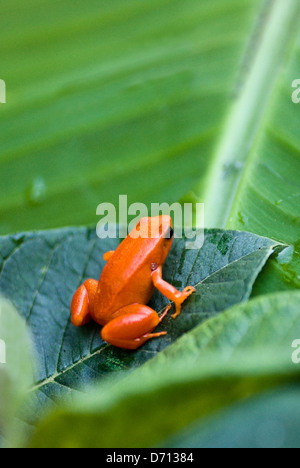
pixel 112 97
pixel 161 100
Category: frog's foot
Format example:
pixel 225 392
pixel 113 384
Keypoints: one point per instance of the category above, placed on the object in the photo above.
pixel 82 303
pixel 181 298
pixel 170 292
pixel 132 326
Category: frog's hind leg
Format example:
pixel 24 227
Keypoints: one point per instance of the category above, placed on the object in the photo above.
pixel 83 302
pixel 132 326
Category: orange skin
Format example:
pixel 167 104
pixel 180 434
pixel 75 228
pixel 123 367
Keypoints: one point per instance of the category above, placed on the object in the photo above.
pixel 117 301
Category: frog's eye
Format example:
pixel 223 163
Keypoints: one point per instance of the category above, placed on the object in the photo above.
pixel 169 234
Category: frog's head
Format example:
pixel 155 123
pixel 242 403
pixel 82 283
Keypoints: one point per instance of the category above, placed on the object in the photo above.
pixel 158 233
pixel 166 230
pixel 155 227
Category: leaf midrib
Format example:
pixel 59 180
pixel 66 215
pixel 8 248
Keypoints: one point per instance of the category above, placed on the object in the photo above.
pixel 243 123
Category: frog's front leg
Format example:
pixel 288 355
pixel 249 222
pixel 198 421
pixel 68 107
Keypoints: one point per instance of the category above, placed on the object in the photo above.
pixel 83 302
pixel 108 255
pixel 169 291
pixel 132 326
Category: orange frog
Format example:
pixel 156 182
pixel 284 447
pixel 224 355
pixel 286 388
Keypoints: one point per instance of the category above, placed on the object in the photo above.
pixel 117 301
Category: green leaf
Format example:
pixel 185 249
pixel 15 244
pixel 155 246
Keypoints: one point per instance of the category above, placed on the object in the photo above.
pixel 233 158
pixel 41 271
pixel 105 98
pixel 227 358
pixel 269 193
pixel 256 167
pixel 270 420
pixel 16 369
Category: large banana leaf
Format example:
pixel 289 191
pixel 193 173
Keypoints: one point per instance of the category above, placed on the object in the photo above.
pixel 268 197
pixel 107 97
pixel 254 181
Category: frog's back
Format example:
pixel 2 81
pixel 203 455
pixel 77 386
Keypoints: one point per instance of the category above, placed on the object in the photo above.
pixel 126 278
